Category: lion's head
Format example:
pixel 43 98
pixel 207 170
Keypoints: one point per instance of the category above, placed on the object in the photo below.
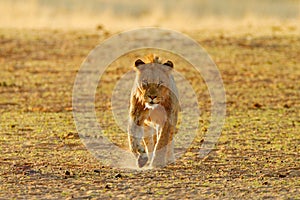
pixel 153 81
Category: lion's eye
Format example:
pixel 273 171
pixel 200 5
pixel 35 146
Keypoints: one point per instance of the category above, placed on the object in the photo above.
pixel 144 83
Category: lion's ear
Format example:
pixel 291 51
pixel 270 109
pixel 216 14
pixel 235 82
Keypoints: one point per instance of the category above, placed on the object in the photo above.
pixel 169 63
pixel 138 62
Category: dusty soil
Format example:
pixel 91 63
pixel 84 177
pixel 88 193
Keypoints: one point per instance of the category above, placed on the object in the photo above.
pixel 257 156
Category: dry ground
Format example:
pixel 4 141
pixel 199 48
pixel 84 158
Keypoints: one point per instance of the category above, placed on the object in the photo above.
pixel 257 156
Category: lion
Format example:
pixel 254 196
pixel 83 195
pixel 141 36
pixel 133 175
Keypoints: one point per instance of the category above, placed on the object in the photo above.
pixel 153 113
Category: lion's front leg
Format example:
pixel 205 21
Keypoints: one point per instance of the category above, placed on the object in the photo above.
pixel 135 136
pixel 149 141
pixel 161 147
pixel 170 146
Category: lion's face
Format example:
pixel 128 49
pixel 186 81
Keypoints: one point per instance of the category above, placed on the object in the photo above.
pixel 153 93
pixel 153 81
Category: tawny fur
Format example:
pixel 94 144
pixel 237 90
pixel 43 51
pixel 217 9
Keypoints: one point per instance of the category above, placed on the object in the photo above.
pixel 153 113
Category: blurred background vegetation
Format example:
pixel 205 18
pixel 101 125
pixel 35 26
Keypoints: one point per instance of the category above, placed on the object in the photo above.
pixel 120 15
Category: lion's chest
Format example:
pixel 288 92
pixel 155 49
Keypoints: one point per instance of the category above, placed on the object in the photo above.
pixel 157 116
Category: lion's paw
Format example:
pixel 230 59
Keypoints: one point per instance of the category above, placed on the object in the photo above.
pixel 142 160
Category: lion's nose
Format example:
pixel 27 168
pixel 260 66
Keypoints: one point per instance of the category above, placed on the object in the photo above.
pixel 152 97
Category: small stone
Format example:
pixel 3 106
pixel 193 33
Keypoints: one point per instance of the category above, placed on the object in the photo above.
pixel 83 188
pixel 281 175
pixel 257 105
pixel 30 172
pixel 118 175
pixel 149 191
